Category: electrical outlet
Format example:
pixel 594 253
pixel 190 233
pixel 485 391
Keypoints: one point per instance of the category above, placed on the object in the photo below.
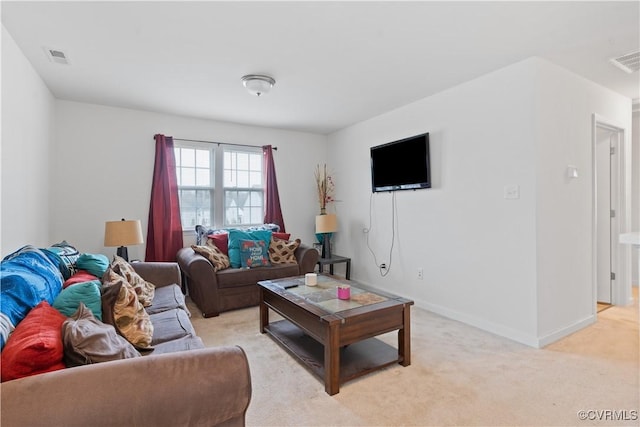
pixel 420 274
pixel 383 266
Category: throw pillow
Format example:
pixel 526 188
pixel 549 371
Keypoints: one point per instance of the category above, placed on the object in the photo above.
pixel 35 346
pixel 235 236
pixel 220 241
pixel 122 309
pixel 87 340
pixel 95 264
pixel 254 253
pixel 282 251
pixel 283 236
pixel 144 290
pixel 68 301
pixel 79 277
pixel 215 256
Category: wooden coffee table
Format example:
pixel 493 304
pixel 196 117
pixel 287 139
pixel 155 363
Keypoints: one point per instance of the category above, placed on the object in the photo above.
pixel 334 338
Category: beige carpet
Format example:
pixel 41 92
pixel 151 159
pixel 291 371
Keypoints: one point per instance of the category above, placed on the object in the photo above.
pixel 459 376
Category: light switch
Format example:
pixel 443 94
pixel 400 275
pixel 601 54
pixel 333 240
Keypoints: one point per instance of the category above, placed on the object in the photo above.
pixel 511 191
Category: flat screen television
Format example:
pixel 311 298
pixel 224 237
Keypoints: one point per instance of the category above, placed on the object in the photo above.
pixel 401 165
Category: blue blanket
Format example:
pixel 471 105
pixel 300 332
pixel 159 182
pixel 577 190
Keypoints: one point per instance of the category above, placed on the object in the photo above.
pixel 27 277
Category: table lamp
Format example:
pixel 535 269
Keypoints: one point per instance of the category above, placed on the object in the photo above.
pixel 122 233
pixel 326 224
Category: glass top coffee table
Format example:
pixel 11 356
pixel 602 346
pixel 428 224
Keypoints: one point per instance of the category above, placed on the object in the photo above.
pixel 335 338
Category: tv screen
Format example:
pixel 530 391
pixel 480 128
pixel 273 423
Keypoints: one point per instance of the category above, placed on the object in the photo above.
pixel 401 165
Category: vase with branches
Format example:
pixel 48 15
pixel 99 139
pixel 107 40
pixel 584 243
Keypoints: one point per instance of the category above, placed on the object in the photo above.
pixel 325 187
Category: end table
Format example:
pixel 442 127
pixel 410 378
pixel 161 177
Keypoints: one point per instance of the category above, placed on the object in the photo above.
pixel 335 259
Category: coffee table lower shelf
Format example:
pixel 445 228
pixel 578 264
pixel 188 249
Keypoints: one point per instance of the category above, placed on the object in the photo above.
pixel 356 359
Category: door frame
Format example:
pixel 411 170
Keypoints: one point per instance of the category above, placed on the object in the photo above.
pixel 621 288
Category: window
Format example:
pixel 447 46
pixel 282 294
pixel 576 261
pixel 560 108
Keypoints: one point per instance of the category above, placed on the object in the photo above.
pixel 218 185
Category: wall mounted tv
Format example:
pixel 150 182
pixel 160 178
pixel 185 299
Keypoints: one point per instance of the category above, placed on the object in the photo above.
pixel 401 165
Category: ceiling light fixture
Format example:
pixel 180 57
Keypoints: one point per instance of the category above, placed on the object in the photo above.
pixel 258 84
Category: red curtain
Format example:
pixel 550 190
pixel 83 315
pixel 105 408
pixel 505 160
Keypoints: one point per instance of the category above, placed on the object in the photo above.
pixel 164 233
pixel 272 212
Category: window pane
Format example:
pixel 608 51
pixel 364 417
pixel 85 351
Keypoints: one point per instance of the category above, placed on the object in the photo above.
pixel 195 208
pixel 256 198
pixel 202 159
pixel 203 177
pixel 188 177
pixel 256 215
pixel 188 156
pixel 255 162
pixel 255 179
pixel 243 161
pixel 228 182
pixel 243 180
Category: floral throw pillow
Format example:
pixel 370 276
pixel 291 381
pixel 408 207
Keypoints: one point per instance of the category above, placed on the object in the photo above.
pixel 254 253
pixel 122 309
pixel 144 290
pixel 282 251
pixel 215 256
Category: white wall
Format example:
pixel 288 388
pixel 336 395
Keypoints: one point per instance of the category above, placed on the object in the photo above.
pixel 518 268
pixel 635 191
pixel 103 168
pixel 565 104
pixel 27 138
pixel 476 248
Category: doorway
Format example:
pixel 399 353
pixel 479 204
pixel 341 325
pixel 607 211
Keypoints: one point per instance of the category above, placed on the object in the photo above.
pixel 609 213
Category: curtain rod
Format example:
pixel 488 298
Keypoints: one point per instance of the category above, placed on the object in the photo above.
pixel 219 143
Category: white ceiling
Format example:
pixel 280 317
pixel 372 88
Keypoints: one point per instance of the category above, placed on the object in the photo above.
pixel 335 63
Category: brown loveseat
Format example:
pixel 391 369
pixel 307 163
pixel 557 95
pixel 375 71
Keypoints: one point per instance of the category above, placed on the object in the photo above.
pixel 169 387
pixel 232 288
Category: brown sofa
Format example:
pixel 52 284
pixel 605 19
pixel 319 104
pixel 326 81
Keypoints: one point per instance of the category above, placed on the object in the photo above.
pixel 168 387
pixel 232 288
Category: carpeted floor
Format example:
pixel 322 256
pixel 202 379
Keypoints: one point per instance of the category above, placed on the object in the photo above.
pixel 459 376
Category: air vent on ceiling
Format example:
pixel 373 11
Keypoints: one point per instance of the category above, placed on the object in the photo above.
pixel 56 55
pixel 629 62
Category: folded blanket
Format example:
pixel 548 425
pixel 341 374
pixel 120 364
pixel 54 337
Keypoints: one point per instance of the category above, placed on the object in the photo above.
pixel 27 277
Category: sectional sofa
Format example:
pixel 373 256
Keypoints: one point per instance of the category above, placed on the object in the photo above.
pixel 174 382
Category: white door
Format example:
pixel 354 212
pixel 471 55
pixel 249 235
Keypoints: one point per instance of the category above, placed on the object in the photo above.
pixel 605 213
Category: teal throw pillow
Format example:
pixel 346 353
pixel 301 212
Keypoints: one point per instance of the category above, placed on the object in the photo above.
pixel 95 264
pixel 235 236
pixel 68 301
pixel 254 253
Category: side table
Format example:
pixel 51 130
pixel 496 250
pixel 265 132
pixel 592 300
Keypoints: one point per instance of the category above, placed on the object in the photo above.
pixel 335 259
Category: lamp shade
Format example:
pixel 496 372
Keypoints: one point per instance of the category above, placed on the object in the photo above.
pixel 326 223
pixel 123 233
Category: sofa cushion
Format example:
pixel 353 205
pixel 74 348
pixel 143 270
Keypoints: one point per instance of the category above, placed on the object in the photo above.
pixel 80 276
pixel 171 325
pixel 168 298
pixel 235 277
pixel 218 260
pixel 95 264
pixel 121 308
pixel 36 344
pixel 87 340
pixel 189 342
pixel 254 253
pixel 282 251
pixel 68 301
pixel 220 241
pixel 144 290
pixel 235 236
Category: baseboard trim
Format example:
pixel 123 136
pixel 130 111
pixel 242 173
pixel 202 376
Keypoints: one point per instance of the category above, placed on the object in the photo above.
pixel 480 323
pixel 561 333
